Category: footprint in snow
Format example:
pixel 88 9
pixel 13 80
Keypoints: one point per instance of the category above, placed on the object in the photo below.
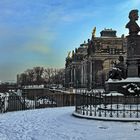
pixel 103 127
pixel 136 129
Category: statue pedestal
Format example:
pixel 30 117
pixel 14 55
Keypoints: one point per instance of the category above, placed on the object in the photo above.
pixel 118 85
pixel 133 56
pixel 133 66
pixel 133 47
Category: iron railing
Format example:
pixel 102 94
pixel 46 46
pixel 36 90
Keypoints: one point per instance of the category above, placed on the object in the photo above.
pixel 14 102
pixel 104 105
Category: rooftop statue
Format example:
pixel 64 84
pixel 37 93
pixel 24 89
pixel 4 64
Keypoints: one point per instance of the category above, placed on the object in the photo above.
pixel 69 53
pixel 94 32
pixel 91 48
pixel 132 25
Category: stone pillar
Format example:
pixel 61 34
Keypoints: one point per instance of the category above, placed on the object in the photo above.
pixel 82 75
pixel 91 73
pixel 132 65
pixel 74 77
pixel 71 75
pixel 133 55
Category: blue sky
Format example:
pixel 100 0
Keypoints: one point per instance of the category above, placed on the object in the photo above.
pixel 41 32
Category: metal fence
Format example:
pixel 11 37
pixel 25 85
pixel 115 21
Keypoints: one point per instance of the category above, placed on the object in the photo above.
pixel 103 105
pixel 14 102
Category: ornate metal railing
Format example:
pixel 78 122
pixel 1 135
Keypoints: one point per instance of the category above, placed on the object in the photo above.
pixel 107 105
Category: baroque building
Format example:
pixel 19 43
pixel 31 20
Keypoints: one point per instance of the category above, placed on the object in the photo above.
pixel 88 65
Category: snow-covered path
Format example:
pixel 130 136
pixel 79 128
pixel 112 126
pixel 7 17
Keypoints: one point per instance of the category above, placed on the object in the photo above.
pixel 59 124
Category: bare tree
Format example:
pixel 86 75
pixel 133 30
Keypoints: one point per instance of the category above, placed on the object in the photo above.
pixel 30 76
pixel 48 73
pixel 22 80
pixel 40 75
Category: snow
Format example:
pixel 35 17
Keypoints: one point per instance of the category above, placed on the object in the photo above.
pixel 129 79
pixel 113 93
pixel 131 88
pixel 89 91
pixel 45 101
pixel 59 124
pixel 18 93
pixel 34 87
pixel 30 104
pixel 107 118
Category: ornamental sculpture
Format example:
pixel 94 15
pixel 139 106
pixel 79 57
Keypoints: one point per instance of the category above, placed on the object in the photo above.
pixel 132 25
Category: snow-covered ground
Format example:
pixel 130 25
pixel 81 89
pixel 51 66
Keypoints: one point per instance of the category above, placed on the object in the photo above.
pixel 59 124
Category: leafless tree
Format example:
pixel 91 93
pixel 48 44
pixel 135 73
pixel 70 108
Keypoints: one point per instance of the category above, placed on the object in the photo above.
pixel 40 75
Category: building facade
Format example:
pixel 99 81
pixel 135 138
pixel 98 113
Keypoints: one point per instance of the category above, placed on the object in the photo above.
pixel 88 66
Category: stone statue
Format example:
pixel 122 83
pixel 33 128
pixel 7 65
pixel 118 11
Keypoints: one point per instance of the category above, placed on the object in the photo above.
pixel 91 48
pixel 132 25
pixel 122 66
pixel 76 50
pixel 69 53
pixel 115 73
pixel 68 61
pixel 73 54
pixel 119 70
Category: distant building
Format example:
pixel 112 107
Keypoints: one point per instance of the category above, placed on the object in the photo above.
pixel 88 66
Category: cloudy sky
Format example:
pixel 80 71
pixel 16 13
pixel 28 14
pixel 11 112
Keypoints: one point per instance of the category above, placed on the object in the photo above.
pixel 41 32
